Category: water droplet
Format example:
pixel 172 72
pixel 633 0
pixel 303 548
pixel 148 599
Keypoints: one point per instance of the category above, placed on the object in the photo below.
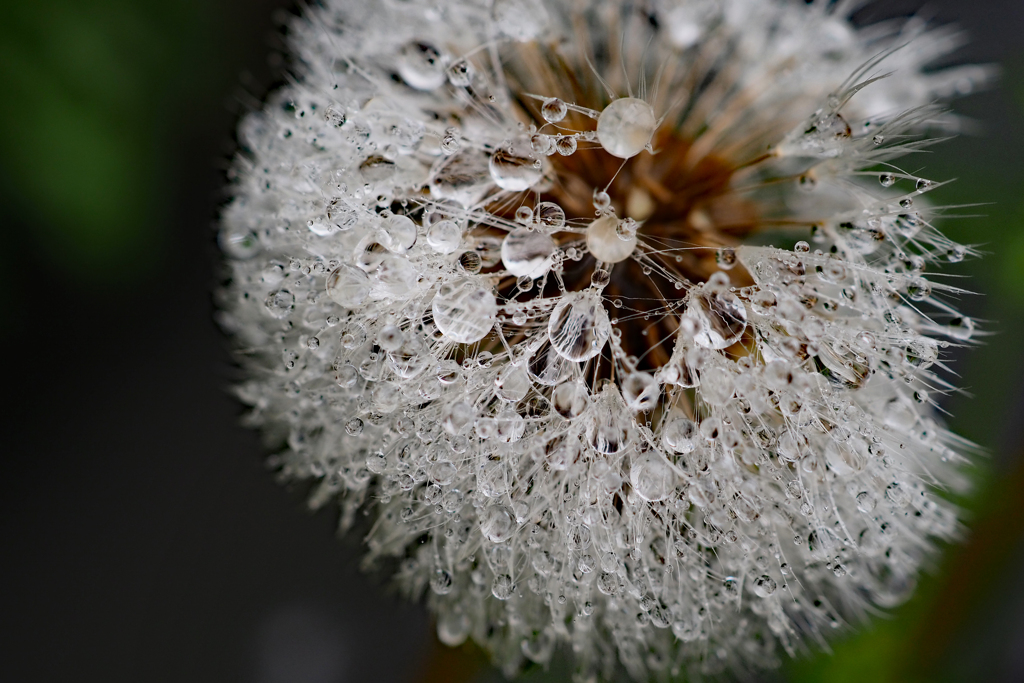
pixel 444 237
pixel 497 524
pixel 553 110
pixel 460 73
pixel 923 184
pixel 570 399
pixel 640 391
pixel 470 262
pixel 600 278
pixel 651 477
pixel 450 144
pixel 422 66
pixel 625 127
pixel 956 253
pixel 961 328
pixel 801 247
pixel 512 383
pixel 680 435
pixel 549 217
pixel 626 230
pixel 865 502
pixel 398 233
pixel 354 427
pixel 528 253
pixel 453 627
pixel 565 145
pixel 542 144
pixel 280 303
pixel 513 172
pixel 442 582
pixel 464 177
pixel 524 214
pixel 722 318
pixel 502 587
pixel 726 258
pixel 887 179
pixel 764 586
pixel 919 289
pixel 604 242
pixel 464 311
pixel 579 326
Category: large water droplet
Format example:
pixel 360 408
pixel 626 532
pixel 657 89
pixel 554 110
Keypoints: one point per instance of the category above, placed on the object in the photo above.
pixel 502 587
pixel 723 318
pixel 422 66
pixel 398 233
pixel 444 237
pixel 463 177
pixel 605 243
pixel 640 391
pixel 553 110
pixel 569 399
pixel 348 286
pixel 464 311
pixel 625 127
pixel 651 477
pixel 549 368
pixel 680 435
pixel 514 172
pixel 497 524
pixel 513 382
pixel 527 252
pixel 579 326
pixel 549 217
pixel 453 627
pixel 764 586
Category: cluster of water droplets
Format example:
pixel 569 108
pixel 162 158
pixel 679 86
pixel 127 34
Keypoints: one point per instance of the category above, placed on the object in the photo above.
pixel 397 294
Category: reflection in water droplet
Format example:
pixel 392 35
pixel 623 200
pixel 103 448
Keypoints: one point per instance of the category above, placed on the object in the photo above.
pixel 527 253
pixel 625 127
pixel 722 317
pixel 464 177
pixel 651 477
pixel 464 311
pixel 422 66
pixel 513 172
pixel 604 242
pixel 579 326
pixel 553 110
pixel 444 237
pixel 348 286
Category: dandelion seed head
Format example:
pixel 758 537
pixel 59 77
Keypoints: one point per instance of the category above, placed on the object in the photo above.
pixel 617 319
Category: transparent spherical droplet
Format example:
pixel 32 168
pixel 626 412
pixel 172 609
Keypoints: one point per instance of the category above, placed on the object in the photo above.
pixel 801 247
pixel 600 278
pixel 553 110
pixel 716 386
pixel 514 172
pixel 549 217
pixel 354 427
pixel 956 253
pixel 524 214
pixel 450 144
pixel 726 258
pixel 460 73
pixel 579 326
pixel 442 472
pixel 680 435
pixel 570 399
pixel 625 127
pixel 513 382
pixel 470 262
pixel 444 237
pixel 502 587
pixel 398 233
pixel 640 391
pixel 919 289
pixel 422 66
pixel 497 524
pixel 464 311
pixel 453 627
pixel 764 586
pixel 626 230
pixel 565 145
pixel 542 144
pixel 604 242
pixel 887 179
pixel 280 303
pixel 651 477
pixel 865 502
pixel 442 582
pixel 722 317
pixel 527 253
pixel 464 178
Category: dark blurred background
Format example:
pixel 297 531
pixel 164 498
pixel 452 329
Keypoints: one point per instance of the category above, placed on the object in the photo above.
pixel 141 538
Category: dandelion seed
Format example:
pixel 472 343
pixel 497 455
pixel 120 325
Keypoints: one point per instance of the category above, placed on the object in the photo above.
pixel 530 325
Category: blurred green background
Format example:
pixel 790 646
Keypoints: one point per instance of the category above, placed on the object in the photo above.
pixel 116 122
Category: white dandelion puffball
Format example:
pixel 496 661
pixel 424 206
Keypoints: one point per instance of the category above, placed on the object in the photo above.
pixel 615 319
